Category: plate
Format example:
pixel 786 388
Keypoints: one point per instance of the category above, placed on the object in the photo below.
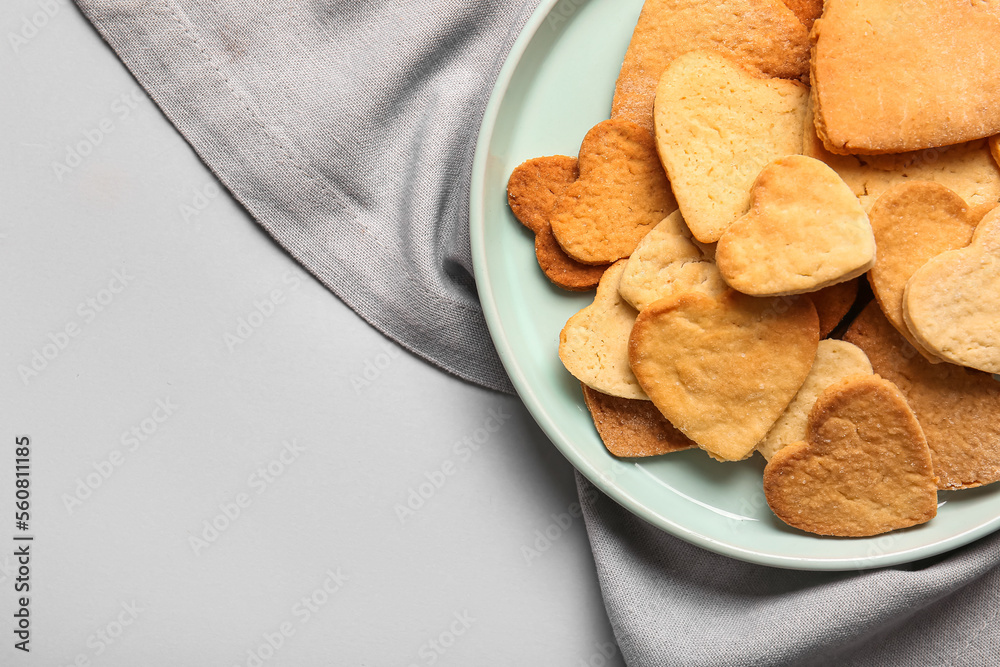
pixel 556 84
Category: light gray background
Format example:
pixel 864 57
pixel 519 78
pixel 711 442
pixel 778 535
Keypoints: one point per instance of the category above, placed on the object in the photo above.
pixel 372 423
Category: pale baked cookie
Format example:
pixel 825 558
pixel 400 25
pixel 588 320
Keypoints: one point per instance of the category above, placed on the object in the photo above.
pixel 835 360
pixel 805 231
pixel 863 470
pixel 761 35
pixel 723 370
pixel 631 428
pixel 669 261
pixel 593 345
pixel 951 304
pixel 717 126
pixel 898 75
pixel 959 408
pixel 967 168
pixel 833 303
pixel 807 11
pixel 621 194
pixel 913 223
pixel 532 192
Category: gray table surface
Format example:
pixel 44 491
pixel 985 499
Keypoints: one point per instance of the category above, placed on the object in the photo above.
pixel 229 467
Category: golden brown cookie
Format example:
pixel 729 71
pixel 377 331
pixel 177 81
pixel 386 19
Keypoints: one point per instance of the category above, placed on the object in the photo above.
pixel 863 470
pixel 631 428
pixel 835 360
pixel 668 261
pixel 995 147
pixel 900 75
pixel 717 126
pixel 593 345
pixel 761 35
pixel 805 231
pixel 951 304
pixel 806 11
pixel 723 370
pixel 958 408
pixel 833 303
pixel 532 192
pixel 913 223
pixel 621 194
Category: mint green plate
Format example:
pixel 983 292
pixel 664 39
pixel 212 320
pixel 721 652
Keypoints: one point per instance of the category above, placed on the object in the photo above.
pixel 556 84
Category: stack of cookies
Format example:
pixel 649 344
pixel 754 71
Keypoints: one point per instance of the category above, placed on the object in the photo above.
pixel 760 158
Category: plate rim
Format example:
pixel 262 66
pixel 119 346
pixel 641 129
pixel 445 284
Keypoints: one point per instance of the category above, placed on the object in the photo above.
pixel 531 401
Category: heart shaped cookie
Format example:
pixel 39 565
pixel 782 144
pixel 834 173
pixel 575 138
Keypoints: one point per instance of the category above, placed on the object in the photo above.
pixel 967 168
pixel 913 223
pixel 900 75
pixel 805 231
pixel 593 345
pixel 958 408
pixel 761 35
pixel 717 126
pixel 668 261
pixel 723 370
pixel 621 194
pixel 533 190
pixel 863 470
pixel 951 304
pixel 631 428
pixel 835 360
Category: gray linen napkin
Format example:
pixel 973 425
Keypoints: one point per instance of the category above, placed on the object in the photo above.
pixel 672 603
pixel 347 130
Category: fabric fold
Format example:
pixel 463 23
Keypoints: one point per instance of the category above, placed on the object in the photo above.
pixel 672 603
pixel 348 132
